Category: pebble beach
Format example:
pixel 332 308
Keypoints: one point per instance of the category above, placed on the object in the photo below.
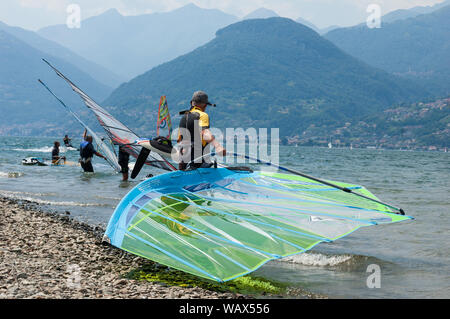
pixel 47 255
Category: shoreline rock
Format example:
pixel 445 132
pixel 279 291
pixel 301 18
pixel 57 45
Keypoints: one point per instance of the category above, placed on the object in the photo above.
pixel 49 255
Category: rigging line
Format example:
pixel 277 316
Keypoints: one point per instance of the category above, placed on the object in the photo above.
pixel 344 189
pixel 173 256
pixel 218 211
pixel 178 237
pixel 302 249
pixel 117 128
pixel 73 85
pixel 284 188
pixel 312 195
pixel 87 99
pixel 305 192
pixel 112 146
pixel 93 107
pixel 150 212
pixel 325 201
pixel 198 230
pixel 279 180
pixel 100 143
pixel 232 260
pixel 98 107
pixel 280 207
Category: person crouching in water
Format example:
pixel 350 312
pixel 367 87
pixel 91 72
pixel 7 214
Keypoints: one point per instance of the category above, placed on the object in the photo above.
pixel 124 159
pixel 56 159
pixel 87 152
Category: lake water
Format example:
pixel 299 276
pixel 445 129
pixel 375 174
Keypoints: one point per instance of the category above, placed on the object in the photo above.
pixel 413 256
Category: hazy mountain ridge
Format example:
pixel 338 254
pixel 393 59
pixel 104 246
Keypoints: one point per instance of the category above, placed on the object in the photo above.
pixel 130 45
pixel 247 72
pixel 402 14
pixel 261 13
pixel 97 72
pixel 416 48
pixel 308 24
pixel 261 68
pixel 24 104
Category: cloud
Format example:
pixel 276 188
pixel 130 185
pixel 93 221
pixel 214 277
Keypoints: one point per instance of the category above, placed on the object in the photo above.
pixel 50 5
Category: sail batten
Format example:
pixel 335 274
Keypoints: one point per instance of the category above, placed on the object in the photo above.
pixel 218 227
pixel 111 158
pixel 117 132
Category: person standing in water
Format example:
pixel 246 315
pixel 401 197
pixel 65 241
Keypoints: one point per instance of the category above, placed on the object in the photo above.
pixel 56 159
pixel 124 159
pixel 87 152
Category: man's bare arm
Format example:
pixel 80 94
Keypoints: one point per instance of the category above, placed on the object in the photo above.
pixel 100 155
pixel 210 139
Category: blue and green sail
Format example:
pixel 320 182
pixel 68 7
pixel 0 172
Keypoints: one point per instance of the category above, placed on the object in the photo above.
pixel 220 224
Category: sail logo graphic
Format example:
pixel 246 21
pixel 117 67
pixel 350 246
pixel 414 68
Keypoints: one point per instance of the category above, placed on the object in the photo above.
pixel 374 279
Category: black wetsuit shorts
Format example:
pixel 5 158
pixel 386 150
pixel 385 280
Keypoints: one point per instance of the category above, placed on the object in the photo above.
pixel 124 159
pixel 87 166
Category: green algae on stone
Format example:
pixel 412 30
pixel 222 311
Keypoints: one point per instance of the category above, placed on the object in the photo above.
pixel 243 285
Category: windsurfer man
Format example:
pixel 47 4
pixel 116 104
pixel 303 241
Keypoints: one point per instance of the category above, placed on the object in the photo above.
pixel 195 123
pixel 87 151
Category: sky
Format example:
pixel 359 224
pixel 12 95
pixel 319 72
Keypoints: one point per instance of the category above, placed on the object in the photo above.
pixel 36 14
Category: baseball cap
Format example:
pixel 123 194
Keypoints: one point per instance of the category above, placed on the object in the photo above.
pixel 201 97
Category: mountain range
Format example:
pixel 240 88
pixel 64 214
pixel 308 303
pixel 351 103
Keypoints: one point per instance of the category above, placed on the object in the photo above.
pixel 416 48
pixel 130 45
pixel 265 73
pixel 97 72
pixel 284 76
pixel 26 107
pixel 402 14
